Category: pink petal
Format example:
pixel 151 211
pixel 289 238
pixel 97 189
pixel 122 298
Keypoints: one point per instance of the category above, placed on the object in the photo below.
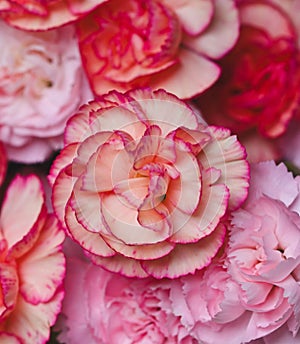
pixel 226 154
pixel 165 109
pixel 9 284
pixel 91 242
pixel 61 192
pixel 59 13
pixel 255 14
pixel 87 208
pixel 83 7
pixel 156 219
pixel 42 270
pixel 85 152
pixel 124 120
pixel 142 252
pixel 279 185
pixel 188 258
pixel 212 206
pixel 122 222
pixel 182 80
pixel 77 128
pixel 194 15
pixel 119 264
pixel 32 322
pixel 184 192
pixel 21 208
pixel 8 338
pixel 65 157
pixel 133 190
pixel 102 169
pixel 221 34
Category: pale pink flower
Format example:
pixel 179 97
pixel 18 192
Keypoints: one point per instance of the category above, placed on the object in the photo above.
pixel 166 44
pixel 142 185
pixel 104 307
pixel 253 288
pixel 264 249
pixel 210 307
pixel 32 264
pixel 39 15
pixel 41 85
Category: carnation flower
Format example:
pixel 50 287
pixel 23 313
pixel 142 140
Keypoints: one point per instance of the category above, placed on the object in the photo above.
pixel 253 288
pixel 44 15
pixel 142 185
pixel 103 307
pixel 259 85
pixel 41 85
pixel 32 264
pixel 162 44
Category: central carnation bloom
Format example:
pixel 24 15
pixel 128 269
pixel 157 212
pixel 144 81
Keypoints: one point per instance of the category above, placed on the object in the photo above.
pixel 142 185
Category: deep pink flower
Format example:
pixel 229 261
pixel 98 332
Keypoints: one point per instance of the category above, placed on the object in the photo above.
pixel 41 85
pixel 32 264
pixel 260 81
pixel 39 15
pixel 104 307
pixel 142 185
pixel 162 44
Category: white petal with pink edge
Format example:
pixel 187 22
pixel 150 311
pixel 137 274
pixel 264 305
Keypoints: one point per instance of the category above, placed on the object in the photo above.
pixel 185 259
pixel 123 223
pixel 165 109
pixel 254 13
pixel 18 215
pixel 90 242
pixel 123 265
pixel 194 15
pixel 42 270
pixel 212 207
pixel 142 252
pixel 32 322
pixel 59 13
pixel 182 79
pixel 228 155
pixel 221 34
pixel 65 157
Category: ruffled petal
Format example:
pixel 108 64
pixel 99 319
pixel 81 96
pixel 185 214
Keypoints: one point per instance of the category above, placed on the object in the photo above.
pixel 188 258
pixel 18 215
pixel 42 270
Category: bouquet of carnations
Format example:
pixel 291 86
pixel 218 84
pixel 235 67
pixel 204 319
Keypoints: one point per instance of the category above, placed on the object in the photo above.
pixel 149 162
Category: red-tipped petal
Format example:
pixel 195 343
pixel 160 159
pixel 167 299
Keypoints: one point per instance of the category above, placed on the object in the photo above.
pixel 182 80
pixel 185 259
pixel 194 15
pixel 42 270
pixel 221 34
pixel 21 208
